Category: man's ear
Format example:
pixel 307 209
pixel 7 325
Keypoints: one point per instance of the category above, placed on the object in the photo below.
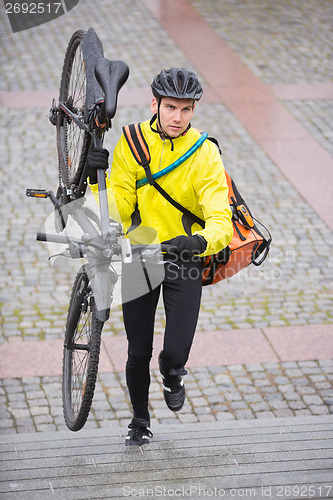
pixel 154 106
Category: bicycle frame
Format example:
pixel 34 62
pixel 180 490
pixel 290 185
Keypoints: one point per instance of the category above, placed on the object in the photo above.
pixel 97 247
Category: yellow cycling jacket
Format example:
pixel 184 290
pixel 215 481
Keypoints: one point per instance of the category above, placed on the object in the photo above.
pixel 199 184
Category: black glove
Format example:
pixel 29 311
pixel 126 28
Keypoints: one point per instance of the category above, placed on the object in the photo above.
pixel 186 247
pixel 96 158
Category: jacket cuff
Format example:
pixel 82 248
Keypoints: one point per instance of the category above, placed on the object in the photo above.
pixel 203 241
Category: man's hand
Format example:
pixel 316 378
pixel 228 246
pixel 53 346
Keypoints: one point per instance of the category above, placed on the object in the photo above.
pixel 96 158
pixel 186 246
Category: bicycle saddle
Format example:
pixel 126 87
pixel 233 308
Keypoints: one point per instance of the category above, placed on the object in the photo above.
pixel 111 76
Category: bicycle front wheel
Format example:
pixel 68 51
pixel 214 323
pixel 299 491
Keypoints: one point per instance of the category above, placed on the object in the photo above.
pixel 81 353
pixel 73 143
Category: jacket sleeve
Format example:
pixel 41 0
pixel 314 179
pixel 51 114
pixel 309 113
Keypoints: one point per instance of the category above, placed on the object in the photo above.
pixel 121 184
pixel 211 186
pixel 123 178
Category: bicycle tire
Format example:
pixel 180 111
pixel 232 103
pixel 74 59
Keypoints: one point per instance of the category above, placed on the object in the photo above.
pixel 81 353
pixel 73 143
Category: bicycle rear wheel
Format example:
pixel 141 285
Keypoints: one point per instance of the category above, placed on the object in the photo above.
pixel 73 143
pixel 81 353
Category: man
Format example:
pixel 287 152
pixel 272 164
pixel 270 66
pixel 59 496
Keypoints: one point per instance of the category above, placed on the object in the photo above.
pixel 198 184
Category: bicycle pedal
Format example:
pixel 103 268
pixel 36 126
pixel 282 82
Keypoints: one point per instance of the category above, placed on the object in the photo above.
pixel 53 115
pixel 37 193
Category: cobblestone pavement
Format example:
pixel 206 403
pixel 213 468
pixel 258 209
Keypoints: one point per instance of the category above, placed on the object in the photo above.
pixel 317 118
pixel 287 41
pixel 265 390
pixel 122 34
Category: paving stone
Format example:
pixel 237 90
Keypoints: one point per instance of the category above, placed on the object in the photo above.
pixel 6 423
pixel 202 410
pixel 18 413
pixel 292 396
pixel 259 407
pixel 275 396
pixel 253 398
pixel 302 385
pixel 261 382
pixel 210 391
pixel 225 416
pixel 281 380
pixel 258 375
pixel 244 414
pixel 16 397
pixel 217 399
pixel 197 402
pixel 223 379
pixel 241 380
pixel 233 396
pixel 293 372
pixel 283 413
pixel 287 388
pixel 277 405
pixel 329 400
pixel 43 419
pixel 318 409
pixel 247 389
pixel 39 410
pixel 25 429
pixel 238 405
pixel 46 427
pixel 269 389
pixel 187 418
pixel 312 400
pixel 206 418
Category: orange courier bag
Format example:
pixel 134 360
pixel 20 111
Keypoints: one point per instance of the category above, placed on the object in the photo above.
pixel 246 246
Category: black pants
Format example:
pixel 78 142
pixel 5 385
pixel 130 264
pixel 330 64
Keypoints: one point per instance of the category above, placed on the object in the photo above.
pixel 181 288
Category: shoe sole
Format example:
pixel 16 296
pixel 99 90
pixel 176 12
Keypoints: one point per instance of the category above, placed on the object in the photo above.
pixel 132 442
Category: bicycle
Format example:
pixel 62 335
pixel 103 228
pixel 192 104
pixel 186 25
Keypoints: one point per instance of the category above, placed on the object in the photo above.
pixel 89 89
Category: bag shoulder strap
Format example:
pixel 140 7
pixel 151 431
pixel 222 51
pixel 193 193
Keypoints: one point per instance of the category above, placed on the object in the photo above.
pixel 177 205
pixel 137 143
pixel 215 141
pixel 140 150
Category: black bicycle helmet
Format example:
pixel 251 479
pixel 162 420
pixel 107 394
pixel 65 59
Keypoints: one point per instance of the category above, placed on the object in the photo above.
pixel 177 82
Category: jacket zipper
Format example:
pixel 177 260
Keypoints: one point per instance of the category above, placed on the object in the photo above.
pixel 159 168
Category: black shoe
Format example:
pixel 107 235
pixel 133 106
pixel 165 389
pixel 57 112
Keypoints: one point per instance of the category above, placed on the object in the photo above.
pixel 138 433
pixel 173 386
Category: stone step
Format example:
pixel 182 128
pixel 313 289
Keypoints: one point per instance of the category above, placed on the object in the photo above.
pixel 269 456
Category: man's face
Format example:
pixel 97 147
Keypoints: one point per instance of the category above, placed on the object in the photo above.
pixel 175 114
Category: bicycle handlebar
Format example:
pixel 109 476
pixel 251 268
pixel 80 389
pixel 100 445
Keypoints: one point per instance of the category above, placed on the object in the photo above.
pixel 58 238
pixel 53 238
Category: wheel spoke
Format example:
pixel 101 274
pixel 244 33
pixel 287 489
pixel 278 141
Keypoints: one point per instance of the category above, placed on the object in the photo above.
pixel 76 95
pixel 80 360
pixel 79 379
pixel 73 142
